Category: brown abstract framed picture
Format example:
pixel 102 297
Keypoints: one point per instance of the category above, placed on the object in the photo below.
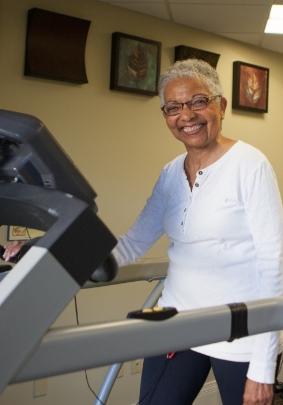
pixel 135 64
pixel 55 46
pixel 250 87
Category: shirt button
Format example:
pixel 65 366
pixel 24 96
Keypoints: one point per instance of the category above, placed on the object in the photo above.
pixel 200 172
pixel 196 184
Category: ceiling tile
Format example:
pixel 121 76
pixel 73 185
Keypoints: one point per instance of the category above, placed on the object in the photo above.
pixel 154 9
pixel 241 20
pixel 222 18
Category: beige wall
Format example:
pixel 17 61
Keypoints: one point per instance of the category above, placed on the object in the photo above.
pixel 120 143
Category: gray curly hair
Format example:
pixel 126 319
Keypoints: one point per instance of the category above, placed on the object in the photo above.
pixel 192 69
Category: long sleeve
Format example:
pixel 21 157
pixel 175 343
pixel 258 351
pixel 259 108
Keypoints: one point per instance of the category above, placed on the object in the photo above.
pixel 146 230
pixel 264 214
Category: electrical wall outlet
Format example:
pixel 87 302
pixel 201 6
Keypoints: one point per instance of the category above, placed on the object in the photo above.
pixel 121 372
pixel 137 366
pixel 40 387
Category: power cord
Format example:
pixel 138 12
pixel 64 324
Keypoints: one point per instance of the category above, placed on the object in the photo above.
pixel 159 375
pixel 86 377
pixel 162 369
pixel 28 233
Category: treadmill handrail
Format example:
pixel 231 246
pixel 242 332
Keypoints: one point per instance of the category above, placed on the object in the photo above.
pixel 70 349
pixel 142 270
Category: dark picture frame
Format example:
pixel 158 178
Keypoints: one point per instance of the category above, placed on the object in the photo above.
pixel 250 87
pixel 55 46
pixel 135 64
pixel 183 52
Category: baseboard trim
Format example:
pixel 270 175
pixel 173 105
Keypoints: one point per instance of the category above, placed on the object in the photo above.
pixel 208 388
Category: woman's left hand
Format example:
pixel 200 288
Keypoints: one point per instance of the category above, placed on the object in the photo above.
pixel 257 393
pixel 12 249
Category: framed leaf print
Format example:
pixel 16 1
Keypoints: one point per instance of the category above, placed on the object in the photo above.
pixel 135 64
pixel 250 87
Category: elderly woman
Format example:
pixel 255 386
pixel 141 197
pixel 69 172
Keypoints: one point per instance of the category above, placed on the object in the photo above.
pixel 220 207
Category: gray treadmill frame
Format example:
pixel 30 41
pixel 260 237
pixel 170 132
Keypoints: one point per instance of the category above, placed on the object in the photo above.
pixel 32 168
pixel 68 349
pixel 47 277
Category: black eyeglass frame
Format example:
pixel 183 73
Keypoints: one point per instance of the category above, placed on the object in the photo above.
pixel 189 104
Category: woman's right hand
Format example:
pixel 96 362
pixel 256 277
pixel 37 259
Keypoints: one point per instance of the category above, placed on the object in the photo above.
pixel 12 249
pixel 258 393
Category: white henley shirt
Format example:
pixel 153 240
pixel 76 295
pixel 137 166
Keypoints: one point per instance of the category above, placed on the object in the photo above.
pixel 226 244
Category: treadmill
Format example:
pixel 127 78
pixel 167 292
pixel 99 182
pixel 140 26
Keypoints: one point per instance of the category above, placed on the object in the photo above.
pixel 41 188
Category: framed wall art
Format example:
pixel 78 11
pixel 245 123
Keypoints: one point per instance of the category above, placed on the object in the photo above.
pixel 22 233
pixel 135 64
pixel 183 52
pixel 55 46
pixel 250 87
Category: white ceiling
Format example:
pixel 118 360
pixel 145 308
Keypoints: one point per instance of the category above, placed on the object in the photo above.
pixel 242 20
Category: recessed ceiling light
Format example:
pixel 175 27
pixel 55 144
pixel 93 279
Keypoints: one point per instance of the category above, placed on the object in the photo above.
pixel 276 12
pixel 274 27
pixel 275 23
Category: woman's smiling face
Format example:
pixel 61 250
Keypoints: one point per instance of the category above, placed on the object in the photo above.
pixel 196 129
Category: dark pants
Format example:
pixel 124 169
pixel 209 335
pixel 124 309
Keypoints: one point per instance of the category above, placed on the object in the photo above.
pixel 178 381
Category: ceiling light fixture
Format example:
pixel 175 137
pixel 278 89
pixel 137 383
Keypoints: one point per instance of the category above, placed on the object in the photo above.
pixel 274 24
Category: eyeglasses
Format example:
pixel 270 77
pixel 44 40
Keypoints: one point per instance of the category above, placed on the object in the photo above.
pixel 197 103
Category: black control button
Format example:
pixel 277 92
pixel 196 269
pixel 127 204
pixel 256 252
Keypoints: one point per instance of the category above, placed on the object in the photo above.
pixel 153 314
